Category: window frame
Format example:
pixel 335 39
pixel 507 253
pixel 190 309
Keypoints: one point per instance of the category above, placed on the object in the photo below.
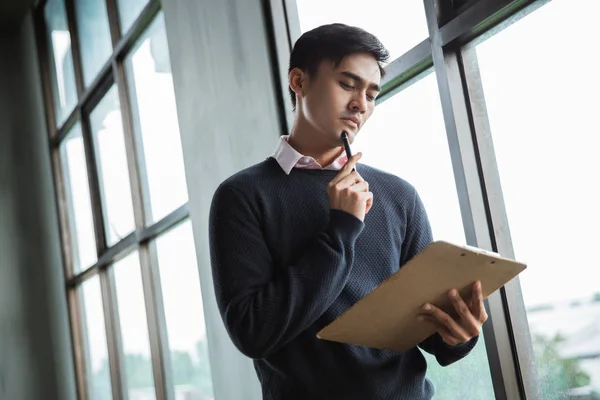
pixel 142 239
pixel 449 51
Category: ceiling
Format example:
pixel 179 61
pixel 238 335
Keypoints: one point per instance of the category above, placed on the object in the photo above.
pixel 12 13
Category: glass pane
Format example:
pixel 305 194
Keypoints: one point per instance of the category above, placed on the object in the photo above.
pixel 109 143
pixel 184 313
pixel 97 367
pixel 129 10
pixel 543 113
pixel 94 36
pixel 399 25
pixel 134 328
pixel 406 136
pixel 81 222
pixel 155 118
pixel 62 73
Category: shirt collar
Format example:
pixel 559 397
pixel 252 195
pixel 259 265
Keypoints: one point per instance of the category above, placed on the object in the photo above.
pixel 288 158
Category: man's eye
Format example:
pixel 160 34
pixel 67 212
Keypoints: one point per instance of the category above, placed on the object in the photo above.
pixel 346 86
pixel 370 98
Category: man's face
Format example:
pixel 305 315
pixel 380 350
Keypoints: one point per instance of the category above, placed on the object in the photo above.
pixel 341 99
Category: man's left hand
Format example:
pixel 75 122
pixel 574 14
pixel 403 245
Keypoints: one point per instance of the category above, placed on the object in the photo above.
pixel 471 316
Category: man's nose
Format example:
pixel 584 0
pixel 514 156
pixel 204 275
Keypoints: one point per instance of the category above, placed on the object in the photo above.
pixel 359 104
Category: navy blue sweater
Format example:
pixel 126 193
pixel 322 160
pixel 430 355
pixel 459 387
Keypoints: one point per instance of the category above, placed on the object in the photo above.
pixel 285 265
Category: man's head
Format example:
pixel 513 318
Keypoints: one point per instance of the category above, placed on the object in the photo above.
pixel 334 75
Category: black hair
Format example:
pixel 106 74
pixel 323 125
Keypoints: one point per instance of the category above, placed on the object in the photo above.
pixel 333 42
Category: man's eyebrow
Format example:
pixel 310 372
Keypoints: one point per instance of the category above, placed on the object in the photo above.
pixel 358 79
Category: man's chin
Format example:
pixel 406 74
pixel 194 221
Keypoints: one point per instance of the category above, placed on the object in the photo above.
pixel 351 134
pixel 336 138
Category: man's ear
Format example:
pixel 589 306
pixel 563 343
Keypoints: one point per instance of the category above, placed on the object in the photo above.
pixel 297 81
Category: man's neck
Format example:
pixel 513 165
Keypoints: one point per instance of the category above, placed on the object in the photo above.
pixel 308 142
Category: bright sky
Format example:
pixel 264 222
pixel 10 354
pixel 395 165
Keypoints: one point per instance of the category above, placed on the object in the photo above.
pixel 544 126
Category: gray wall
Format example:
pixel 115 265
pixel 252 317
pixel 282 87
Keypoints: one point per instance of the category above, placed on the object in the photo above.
pixel 35 354
pixel 228 116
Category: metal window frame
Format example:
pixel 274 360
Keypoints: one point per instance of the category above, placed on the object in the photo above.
pixel 449 51
pixel 515 333
pixel 142 239
pixel 472 199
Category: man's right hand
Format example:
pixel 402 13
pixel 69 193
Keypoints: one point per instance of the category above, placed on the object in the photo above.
pixel 349 192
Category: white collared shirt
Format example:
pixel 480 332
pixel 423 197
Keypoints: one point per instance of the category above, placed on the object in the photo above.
pixel 288 158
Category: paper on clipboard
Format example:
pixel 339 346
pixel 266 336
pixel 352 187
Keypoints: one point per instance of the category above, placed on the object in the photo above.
pixel 387 317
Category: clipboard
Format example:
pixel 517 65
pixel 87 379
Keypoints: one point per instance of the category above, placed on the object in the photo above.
pixel 387 317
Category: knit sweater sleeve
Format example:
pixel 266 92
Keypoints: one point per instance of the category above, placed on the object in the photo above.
pixel 264 306
pixel 419 236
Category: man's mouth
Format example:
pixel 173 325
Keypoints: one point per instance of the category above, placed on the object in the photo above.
pixel 352 121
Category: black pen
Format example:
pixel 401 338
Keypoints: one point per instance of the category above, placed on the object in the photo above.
pixel 347 145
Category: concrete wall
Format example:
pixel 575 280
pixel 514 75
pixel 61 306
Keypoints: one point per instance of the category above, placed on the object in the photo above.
pixel 228 115
pixel 35 353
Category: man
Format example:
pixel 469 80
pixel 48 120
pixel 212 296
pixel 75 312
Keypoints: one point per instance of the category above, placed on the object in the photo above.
pixel 297 239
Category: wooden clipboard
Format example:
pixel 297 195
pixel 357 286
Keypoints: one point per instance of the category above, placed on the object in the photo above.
pixel 387 317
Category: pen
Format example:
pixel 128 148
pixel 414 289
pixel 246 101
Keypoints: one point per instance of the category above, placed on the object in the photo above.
pixel 347 145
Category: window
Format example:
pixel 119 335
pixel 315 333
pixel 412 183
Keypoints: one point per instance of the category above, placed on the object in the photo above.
pixel 185 316
pixel 61 59
pixel 94 36
pixel 134 328
pixel 76 182
pixel 98 375
pixel 132 273
pixel 543 114
pixel 399 25
pixel 155 118
pixel 109 142
pixel 129 10
pixel 406 136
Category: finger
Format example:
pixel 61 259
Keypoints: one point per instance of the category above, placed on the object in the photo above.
pixel 432 321
pixel 360 186
pixel 369 205
pixel 451 339
pixel 347 169
pixel 469 321
pixel 453 327
pixel 350 165
pixel 442 330
pixel 349 180
pixel 367 198
pixel 354 177
pixel 478 307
